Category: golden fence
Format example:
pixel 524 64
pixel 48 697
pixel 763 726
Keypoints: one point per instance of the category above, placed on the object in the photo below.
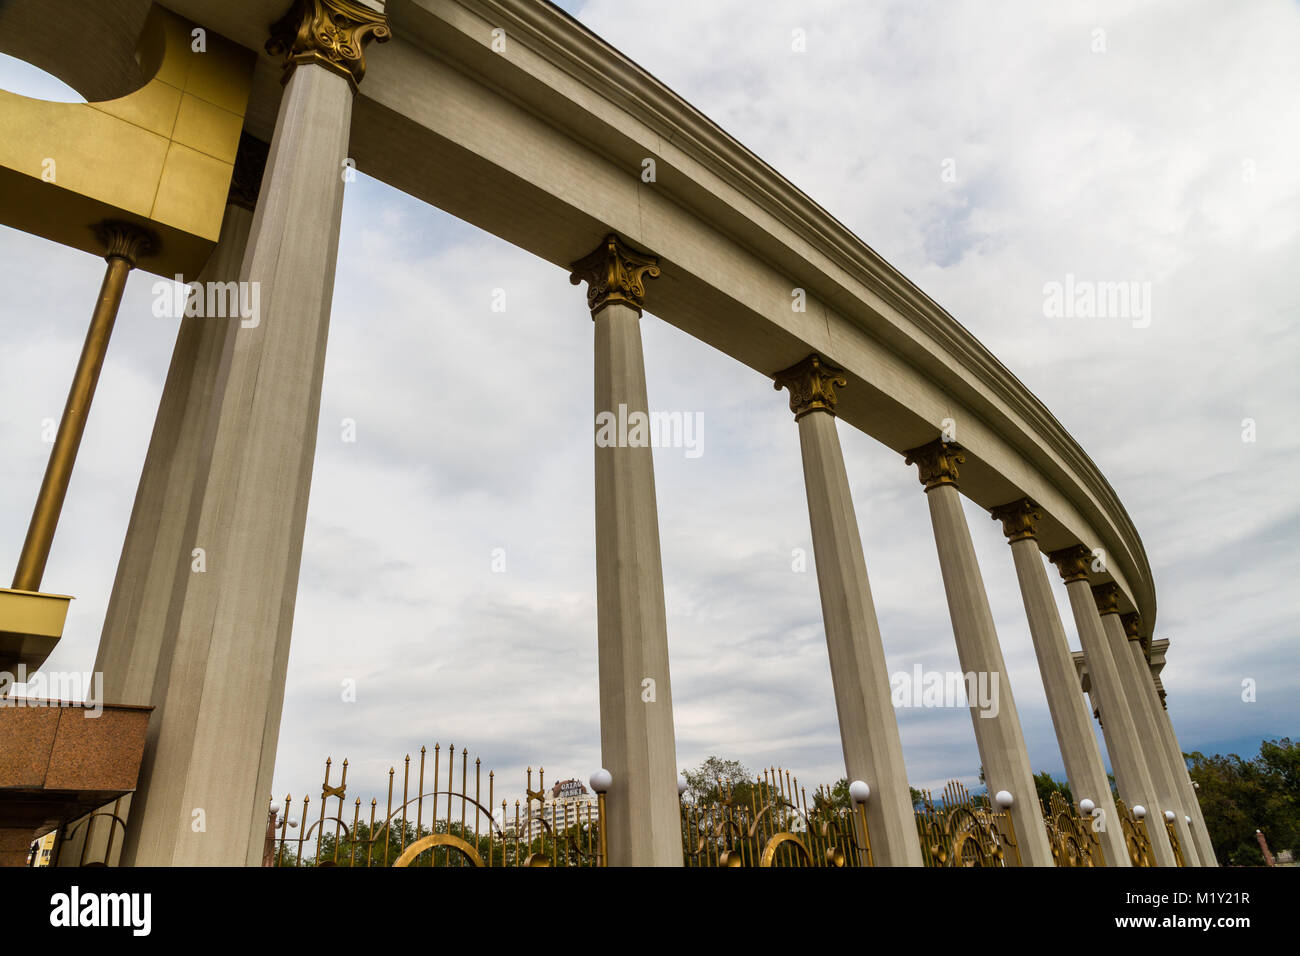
pixel 771 822
pixel 462 827
pixel 1073 840
pixel 962 830
pixel 1173 840
pixel 443 812
pixel 1135 836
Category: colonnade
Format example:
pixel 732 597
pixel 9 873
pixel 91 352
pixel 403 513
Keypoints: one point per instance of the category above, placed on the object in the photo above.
pixel 637 735
pixel 229 469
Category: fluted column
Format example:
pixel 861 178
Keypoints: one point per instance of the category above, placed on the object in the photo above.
pixel 1204 846
pixel 637 740
pixel 1141 693
pixel 1070 718
pixel 1118 725
pixel 155 551
pixel 873 751
pixel 997 730
pixel 222 684
pixel 1182 792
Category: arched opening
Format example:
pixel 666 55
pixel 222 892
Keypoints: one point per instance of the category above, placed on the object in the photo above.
pixel 92 48
pixel 25 79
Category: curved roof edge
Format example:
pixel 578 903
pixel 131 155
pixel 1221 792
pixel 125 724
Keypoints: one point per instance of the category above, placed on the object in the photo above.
pixel 604 69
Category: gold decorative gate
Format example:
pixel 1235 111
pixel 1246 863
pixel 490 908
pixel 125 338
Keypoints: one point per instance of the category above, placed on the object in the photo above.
pixel 1175 843
pixel 443 812
pixel 1073 840
pixel 965 831
pixel 1135 836
pixel 453 823
pixel 770 822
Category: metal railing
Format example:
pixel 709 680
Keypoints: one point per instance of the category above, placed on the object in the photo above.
pixel 461 829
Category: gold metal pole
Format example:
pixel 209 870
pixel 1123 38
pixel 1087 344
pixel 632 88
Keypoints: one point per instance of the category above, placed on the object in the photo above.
pixel 124 243
pixel 1015 844
pixel 866 835
pixel 600 817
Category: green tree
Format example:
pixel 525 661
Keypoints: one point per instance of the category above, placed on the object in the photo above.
pixel 837 795
pixel 716 781
pixel 1239 796
pixel 705 781
pixel 1046 786
pixel 1282 759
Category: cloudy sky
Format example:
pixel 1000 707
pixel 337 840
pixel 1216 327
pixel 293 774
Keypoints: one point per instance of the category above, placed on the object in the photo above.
pixel 1152 143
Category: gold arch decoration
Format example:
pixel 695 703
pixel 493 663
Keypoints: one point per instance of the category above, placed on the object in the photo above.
pixel 962 831
pixel 801 851
pixel 1135 836
pixel 439 839
pixel 161 157
pixel 1072 838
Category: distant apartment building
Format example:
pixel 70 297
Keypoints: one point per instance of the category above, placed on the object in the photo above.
pixel 565 804
pixel 42 851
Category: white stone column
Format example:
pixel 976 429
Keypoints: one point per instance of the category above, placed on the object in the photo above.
pixel 997 729
pixel 1136 684
pixel 637 739
pixel 130 643
pixel 1118 724
pixel 873 751
pixel 155 551
pixel 1175 767
pixel 1201 834
pixel 1070 717
pixel 222 687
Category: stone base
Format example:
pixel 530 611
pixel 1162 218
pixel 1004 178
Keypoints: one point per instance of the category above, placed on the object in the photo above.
pixel 61 761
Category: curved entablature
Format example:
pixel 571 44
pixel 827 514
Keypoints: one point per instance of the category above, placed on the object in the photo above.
pixel 160 157
pixel 734 238
pixel 541 143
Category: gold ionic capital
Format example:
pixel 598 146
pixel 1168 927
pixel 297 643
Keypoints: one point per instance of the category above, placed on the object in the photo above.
pixel 1133 631
pixel 1017 519
pixel 614 272
pixel 1107 597
pixel 125 240
pixel 1071 562
pixel 936 463
pixel 812 382
pixel 329 33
